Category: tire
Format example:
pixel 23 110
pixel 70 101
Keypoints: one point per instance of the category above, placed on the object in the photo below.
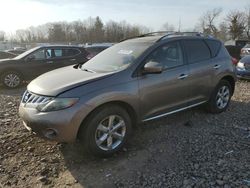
pixel 106 131
pixel 220 98
pixel 11 79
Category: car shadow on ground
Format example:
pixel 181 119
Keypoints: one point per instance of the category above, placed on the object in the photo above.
pixel 160 146
pixel 13 92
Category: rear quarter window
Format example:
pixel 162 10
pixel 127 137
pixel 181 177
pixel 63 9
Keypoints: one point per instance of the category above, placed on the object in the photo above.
pixel 214 47
pixel 196 50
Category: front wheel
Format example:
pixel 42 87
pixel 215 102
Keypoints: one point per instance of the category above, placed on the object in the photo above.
pixel 220 98
pixel 107 130
pixel 11 79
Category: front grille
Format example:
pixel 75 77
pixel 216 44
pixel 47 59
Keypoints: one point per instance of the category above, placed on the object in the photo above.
pixel 30 98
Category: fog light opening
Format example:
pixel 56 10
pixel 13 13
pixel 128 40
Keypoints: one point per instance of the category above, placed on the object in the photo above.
pixel 50 133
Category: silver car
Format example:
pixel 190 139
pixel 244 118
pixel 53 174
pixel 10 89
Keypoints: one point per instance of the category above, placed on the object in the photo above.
pixel 245 51
pixel 137 80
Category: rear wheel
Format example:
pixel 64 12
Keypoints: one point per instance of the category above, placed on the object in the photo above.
pixel 107 130
pixel 11 79
pixel 220 98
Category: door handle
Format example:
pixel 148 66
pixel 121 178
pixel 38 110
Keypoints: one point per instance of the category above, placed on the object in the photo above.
pixel 72 59
pixel 217 66
pixel 182 76
pixel 49 62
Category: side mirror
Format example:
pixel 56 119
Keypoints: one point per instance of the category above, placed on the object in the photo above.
pixel 152 67
pixel 30 58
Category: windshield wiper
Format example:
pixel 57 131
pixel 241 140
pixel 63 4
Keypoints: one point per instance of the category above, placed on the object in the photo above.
pixel 88 70
pixel 77 66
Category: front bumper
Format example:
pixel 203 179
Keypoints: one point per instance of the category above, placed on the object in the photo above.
pixel 244 74
pixel 60 126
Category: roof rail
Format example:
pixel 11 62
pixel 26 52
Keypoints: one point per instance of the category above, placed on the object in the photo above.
pixel 157 33
pixel 149 34
pixel 194 34
pixel 166 34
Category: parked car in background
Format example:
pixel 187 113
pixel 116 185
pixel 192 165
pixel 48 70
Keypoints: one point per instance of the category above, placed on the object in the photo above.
pixel 96 49
pixel 243 68
pixel 234 51
pixel 37 61
pixel 134 81
pixel 6 55
pixel 245 50
pixel 16 51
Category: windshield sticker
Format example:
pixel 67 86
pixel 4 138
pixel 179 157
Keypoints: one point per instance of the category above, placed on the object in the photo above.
pixel 125 52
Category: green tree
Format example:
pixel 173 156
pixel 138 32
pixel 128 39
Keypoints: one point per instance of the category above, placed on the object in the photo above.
pixel 98 30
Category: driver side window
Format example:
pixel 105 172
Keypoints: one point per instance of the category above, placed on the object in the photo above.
pixel 38 55
pixel 169 55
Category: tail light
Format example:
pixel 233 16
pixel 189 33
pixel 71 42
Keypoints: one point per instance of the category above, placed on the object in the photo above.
pixel 234 61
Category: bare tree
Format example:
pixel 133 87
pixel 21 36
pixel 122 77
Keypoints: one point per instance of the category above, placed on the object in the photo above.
pixel 207 21
pixel 56 32
pixel 79 30
pixel 247 15
pixel 223 31
pixel 42 33
pixel 168 27
pixel 86 31
pixel 113 31
pixel 237 23
pixel 2 35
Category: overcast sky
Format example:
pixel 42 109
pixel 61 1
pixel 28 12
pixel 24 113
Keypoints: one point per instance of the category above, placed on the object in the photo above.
pixel 20 14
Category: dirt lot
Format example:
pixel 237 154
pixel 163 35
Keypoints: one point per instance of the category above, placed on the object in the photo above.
pixel 188 149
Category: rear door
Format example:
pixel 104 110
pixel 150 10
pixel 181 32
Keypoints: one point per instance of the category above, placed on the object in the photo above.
pixel 59 57
pixel 201 70
pixel 65 56
pixel 168 91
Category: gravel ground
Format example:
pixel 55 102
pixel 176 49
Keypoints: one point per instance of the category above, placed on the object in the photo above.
pixel 188 149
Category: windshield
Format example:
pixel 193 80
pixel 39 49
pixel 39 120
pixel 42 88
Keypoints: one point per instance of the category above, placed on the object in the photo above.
pixel 26 53
pixel 117 57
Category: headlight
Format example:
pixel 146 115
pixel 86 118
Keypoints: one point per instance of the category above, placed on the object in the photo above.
pixel 241 65
pixel 57 104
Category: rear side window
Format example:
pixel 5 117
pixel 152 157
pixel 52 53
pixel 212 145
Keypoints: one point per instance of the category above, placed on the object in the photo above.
pixel 72 52
pixel 58 52
pixel 196 50
pixel 95 49
pixel 214 47
pixel 54 53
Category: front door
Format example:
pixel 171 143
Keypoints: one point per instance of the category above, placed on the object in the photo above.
pixel 168 91
pixel 35 64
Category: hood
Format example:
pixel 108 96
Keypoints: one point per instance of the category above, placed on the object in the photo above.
pixel 61 80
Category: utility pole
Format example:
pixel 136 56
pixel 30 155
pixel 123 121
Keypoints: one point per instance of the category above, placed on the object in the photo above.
pixel 179 28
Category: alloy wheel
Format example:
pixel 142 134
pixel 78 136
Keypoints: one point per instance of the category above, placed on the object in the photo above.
pixel 12 80
pixel 223 97
pixel 110 132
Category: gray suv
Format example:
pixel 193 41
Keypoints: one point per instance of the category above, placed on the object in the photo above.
pixel 136 80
